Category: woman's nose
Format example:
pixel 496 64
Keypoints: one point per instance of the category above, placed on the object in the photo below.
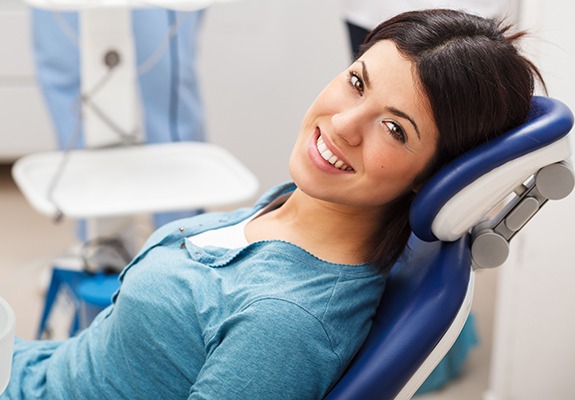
pixel 349 126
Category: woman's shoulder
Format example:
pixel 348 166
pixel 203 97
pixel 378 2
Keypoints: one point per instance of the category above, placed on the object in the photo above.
pixel 214 219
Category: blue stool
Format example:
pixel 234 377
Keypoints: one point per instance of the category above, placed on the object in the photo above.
pixel 90 293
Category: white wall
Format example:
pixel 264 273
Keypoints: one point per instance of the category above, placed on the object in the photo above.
pixel 534 347
pixel 262 64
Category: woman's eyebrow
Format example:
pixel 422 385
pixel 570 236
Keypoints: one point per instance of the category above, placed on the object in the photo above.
pixel 365 74
pixel 401 114
pixel 392 110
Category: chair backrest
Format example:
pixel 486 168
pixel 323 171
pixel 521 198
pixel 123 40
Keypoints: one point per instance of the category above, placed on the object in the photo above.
pixel 427 290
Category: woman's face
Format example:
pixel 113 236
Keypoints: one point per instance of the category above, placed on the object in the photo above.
pixel 368 134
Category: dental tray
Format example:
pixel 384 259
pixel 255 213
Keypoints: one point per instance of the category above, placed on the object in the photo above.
pixel 133 179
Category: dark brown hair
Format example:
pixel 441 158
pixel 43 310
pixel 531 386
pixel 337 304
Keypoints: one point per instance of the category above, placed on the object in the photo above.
pixel 477 83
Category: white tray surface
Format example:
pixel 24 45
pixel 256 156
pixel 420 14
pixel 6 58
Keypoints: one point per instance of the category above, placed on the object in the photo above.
pixel 138 179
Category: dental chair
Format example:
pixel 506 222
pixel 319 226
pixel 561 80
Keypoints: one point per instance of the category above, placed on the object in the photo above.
pixel 462 220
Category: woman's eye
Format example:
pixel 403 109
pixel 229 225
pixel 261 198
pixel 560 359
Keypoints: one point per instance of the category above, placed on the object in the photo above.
pixel 396 131
pixel 356 82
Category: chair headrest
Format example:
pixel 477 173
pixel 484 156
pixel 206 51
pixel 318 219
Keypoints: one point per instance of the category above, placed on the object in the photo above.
pixel 461 193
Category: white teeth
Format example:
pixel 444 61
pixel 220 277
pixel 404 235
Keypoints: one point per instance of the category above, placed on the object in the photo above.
pixel 326 154
pixel 331 158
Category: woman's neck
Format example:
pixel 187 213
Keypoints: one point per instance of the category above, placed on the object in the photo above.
pixel 329 231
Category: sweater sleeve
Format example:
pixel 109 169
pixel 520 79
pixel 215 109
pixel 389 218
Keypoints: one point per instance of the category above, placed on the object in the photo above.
pixel 273 349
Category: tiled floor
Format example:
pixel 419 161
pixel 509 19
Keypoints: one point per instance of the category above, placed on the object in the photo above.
pixel 28 241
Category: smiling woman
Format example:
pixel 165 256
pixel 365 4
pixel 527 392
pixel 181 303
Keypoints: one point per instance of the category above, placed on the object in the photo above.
pixel 367 120
pixel 274 301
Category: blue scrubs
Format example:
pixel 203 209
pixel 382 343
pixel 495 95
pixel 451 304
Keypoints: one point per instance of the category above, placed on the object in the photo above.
pixel 171 105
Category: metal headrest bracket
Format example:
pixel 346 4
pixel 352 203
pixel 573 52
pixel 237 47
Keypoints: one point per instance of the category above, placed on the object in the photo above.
pixel 490 238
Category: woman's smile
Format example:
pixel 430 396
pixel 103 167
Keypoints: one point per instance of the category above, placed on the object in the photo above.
pixel 330 157
pixel 324 157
